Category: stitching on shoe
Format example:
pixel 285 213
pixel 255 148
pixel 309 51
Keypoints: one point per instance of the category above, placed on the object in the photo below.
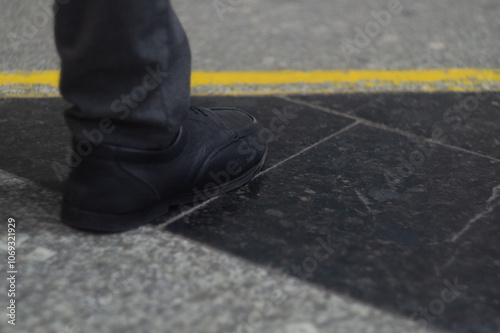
pixel 209 158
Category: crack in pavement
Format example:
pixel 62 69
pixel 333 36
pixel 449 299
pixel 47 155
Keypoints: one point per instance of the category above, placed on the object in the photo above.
pixel 490 205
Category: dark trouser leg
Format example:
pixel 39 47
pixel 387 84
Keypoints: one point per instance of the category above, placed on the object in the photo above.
pixel 127 61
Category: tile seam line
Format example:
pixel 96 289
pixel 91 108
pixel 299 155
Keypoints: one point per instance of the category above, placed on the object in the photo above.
pixel 205 203
pixel 383 127
pixel 29 181
pixel 342 130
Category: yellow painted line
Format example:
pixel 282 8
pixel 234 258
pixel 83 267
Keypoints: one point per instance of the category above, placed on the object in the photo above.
pixel 338 76
pixel 44 83
pixel 49 78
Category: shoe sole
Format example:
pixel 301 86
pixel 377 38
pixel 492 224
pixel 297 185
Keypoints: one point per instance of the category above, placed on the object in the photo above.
pixel 100 222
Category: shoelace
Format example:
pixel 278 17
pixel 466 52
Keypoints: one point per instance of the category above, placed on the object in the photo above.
pixel 198 110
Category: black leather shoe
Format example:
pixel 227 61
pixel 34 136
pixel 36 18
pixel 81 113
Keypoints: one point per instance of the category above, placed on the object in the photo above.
pixel 118 188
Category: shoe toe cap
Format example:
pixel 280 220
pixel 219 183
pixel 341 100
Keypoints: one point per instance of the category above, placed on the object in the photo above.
pixel 238 121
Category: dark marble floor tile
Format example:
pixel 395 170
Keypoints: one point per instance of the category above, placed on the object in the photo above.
pixel 348 215
pixel 467 120
pixel 34 136
pixel 368 213
pixel 35 140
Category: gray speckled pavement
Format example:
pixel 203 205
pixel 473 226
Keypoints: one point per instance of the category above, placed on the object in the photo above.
pixel 303 35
